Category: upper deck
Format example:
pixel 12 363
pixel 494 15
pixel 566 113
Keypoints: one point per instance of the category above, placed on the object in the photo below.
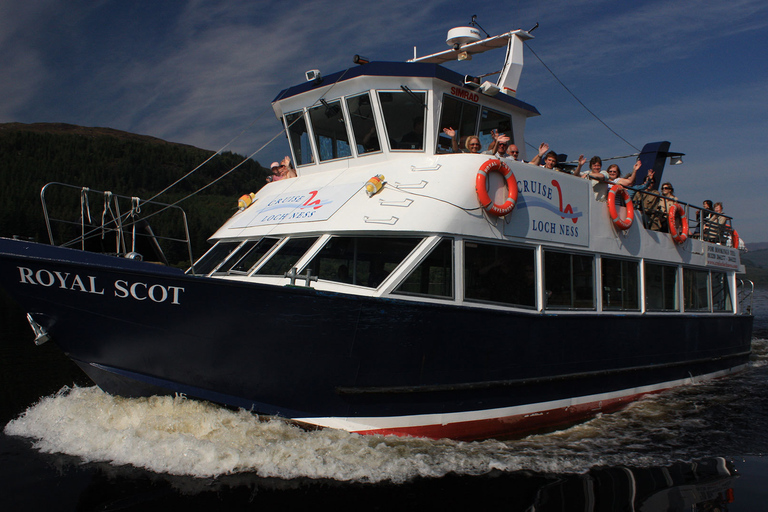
pixel 424 235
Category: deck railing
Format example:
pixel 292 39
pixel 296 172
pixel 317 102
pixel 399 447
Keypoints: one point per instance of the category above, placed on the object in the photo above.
pixel 102 221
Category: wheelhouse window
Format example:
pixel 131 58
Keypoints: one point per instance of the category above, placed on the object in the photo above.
pixel 721 292
pixel 620 285
pixel 661 292
pixel 404 118
pixel 363 123
pixel 460 116
pixel 248 255
pixel 215 255
pixel 362 261
pixel 500 274
pixel 433 277
pixel 696 290
pixel 569 281
pixel 286 257
pixel 330 131
pixel 494 120
pixel 298 135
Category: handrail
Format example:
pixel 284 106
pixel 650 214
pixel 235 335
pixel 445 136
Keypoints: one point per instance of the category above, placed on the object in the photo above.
pixel 743 294
pixel 720 233
pixel 112 221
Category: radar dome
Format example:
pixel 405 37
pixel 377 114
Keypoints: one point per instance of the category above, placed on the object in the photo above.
pixel 462 35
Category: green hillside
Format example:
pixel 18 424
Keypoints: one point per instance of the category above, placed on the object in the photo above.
pixel 756 263
pixel 124 163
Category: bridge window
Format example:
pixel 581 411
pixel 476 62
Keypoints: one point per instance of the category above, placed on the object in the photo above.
pixel 330 131
pixel 497 273
pixel 299 138
pixel 620 285
pixel 493 120
pixel 404 119
pixel 363 124
pixel 434 276
pixel 462 117
pixel 661 292
pixel 569 281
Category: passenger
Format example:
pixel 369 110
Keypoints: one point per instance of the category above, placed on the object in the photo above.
pixel 628 181
pixel 543 148
pixel 596 171
pixel 286 168
pixel 550 161
pixel 723 230
pixel 498 147
pixel 513 152
pixel 648 204
pixel 643 186
pixel 598 175
pixel 704 219
pixel 282 170
pixel 472 143
pixel 275 170
pixel 666 202
pixel 614 174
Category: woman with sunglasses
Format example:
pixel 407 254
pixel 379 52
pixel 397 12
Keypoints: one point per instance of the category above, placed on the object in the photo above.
pixel 472 143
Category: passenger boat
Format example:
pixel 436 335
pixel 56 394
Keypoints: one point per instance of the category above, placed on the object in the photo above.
pixel 398 287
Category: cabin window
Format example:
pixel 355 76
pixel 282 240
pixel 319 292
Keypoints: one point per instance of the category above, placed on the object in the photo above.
pixel 286 257
pixel 250 254
pixel 215 255
pixel 569 281
pixel 433 277
pixel 499 273
pixel 494 120
pixel 620 285
pixel 661 292
pixel 404 119
pixel 696 290
pixel 362 261
pixel 363 123
pixel 299 138
pixel 460 116
pixel 330 131
pixel 721 292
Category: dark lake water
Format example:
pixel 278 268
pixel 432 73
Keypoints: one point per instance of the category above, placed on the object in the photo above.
pixel 68 446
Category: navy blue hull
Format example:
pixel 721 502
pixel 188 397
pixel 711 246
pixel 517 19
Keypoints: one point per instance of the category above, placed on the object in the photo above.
pixel 139 329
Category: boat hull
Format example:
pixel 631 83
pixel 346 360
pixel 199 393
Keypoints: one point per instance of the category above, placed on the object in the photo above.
pixel 367 365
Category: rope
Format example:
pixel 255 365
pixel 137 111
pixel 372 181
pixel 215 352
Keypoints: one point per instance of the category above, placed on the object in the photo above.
pixel 577 99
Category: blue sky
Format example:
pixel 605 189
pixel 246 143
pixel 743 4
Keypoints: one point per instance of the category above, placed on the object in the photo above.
pixel 203 72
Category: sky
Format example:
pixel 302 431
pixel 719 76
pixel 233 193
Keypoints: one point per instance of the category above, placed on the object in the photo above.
pixel 204 72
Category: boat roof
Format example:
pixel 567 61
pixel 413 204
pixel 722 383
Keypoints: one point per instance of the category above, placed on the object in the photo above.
pixel 396 69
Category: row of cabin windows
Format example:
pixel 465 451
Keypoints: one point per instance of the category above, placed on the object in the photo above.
pixel 492 273
pixel 403 115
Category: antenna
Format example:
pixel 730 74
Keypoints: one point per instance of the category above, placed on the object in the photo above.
pixel 474 23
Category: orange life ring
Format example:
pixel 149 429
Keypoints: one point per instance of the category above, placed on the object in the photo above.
pixel 674 211
pixel 496 165
pixel 735 239
pixel 618 222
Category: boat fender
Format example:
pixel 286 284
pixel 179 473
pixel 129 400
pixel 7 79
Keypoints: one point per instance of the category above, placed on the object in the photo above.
pixel 245 201
pixel 496 165
pixel 618 222
pixel 374 184
pixel 678 211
